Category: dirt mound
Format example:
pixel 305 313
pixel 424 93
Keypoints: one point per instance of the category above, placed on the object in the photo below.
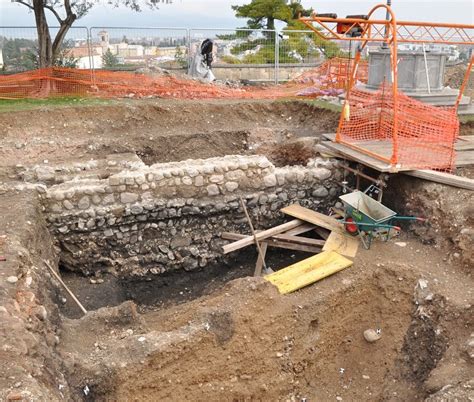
pixel 454 77
pixel 246 341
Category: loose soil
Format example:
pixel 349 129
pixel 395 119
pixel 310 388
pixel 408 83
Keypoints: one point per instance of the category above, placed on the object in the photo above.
pixel 157 130
pixel 245 341
pixel 218 334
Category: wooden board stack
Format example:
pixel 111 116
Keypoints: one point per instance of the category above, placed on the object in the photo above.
pixel 329 250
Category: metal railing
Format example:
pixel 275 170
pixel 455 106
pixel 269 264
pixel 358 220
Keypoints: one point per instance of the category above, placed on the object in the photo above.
pixel 239 54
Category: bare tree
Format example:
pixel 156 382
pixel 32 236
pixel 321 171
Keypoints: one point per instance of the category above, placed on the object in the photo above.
pixel 67 12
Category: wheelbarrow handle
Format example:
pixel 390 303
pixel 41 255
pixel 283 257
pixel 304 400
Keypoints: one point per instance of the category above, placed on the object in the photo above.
pixel 410 218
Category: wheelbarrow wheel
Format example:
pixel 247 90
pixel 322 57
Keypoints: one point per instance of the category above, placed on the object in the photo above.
pixel 351 227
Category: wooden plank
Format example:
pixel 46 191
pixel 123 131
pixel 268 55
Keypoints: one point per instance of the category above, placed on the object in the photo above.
pixel 292 246
pixel 305 227
pixel 464 146
pixel 261 235
pixel 465 158
pixel 359 157
pixel 443 178
pixel 260 260
pixel 261 254
pixel 316 218
pixel 272 242
pixel 308 271
pixel 299 240
pixel 323 233
pixel 342 244
pixel 466 138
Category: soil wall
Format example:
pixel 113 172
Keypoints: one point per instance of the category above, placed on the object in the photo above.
pixel 163 217
pixel 29 319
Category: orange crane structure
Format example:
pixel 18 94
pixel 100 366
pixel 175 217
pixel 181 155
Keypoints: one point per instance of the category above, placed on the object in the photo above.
pixel 388 125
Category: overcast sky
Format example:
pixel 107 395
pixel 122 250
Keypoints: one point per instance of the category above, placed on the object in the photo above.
pixel 218 13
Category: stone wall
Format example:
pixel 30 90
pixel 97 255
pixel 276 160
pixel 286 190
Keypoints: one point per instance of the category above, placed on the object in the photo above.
pixel 260 73
pixel 153 219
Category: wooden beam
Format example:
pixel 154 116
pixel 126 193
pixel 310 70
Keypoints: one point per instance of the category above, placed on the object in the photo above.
pixel 443 178
pixel 261 235
pixel 323 233
pixel 313 217
pixel 73 296
pixel 261 254
pixel 299 240
pixel 261 259
pixel 271 242
pixel 305 227
pixel 292 246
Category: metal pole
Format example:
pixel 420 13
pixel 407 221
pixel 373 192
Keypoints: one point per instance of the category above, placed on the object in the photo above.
pixel 189 49
pixel 426 69
pixel 387 17
pixel 277 56
pixel 91 55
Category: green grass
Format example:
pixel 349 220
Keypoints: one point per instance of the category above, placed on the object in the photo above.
pixel 327 105
pixel 466 118
pixel 16 105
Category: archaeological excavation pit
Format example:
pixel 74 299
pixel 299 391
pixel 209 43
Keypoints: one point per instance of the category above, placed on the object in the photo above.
pixel 130 207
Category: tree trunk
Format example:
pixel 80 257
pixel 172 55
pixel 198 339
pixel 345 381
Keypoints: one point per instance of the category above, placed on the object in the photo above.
pixel 63 30
pixel 271 23
pixel 45 46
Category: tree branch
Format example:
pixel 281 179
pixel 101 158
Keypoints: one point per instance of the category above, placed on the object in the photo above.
pixel 56 14
pixel 25 4
pixel 67 6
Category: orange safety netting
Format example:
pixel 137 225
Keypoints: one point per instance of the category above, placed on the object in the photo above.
pixel 334 73
pixel 424 138
pixel 54 81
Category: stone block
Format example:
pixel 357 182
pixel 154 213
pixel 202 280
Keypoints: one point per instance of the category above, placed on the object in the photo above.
pixel 84 202
pixel 44 173
pixel 320 192
pixel 96 199
pixel 140 180
pixel 187 181
pixel 217 179
pixel 192 172
pixel 270 180
pixel 321 173
pixel 234 175
pixel 231 186
pixel 128 198
pixel 108 199
pixel 212 190
pixel 59 196
pixel 199 181
pixel 136 209
pixel 68 204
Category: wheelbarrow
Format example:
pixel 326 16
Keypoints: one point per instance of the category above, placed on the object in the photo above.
pixel 368 218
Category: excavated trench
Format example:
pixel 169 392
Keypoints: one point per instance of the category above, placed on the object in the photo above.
pixel 137 237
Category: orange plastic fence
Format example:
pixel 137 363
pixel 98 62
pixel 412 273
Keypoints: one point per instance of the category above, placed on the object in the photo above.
pixel 334 73
pixel 330 76
pixel 424 138
pixel 73 82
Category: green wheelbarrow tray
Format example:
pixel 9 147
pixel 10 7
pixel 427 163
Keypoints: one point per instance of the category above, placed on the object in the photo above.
pixel 365 215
